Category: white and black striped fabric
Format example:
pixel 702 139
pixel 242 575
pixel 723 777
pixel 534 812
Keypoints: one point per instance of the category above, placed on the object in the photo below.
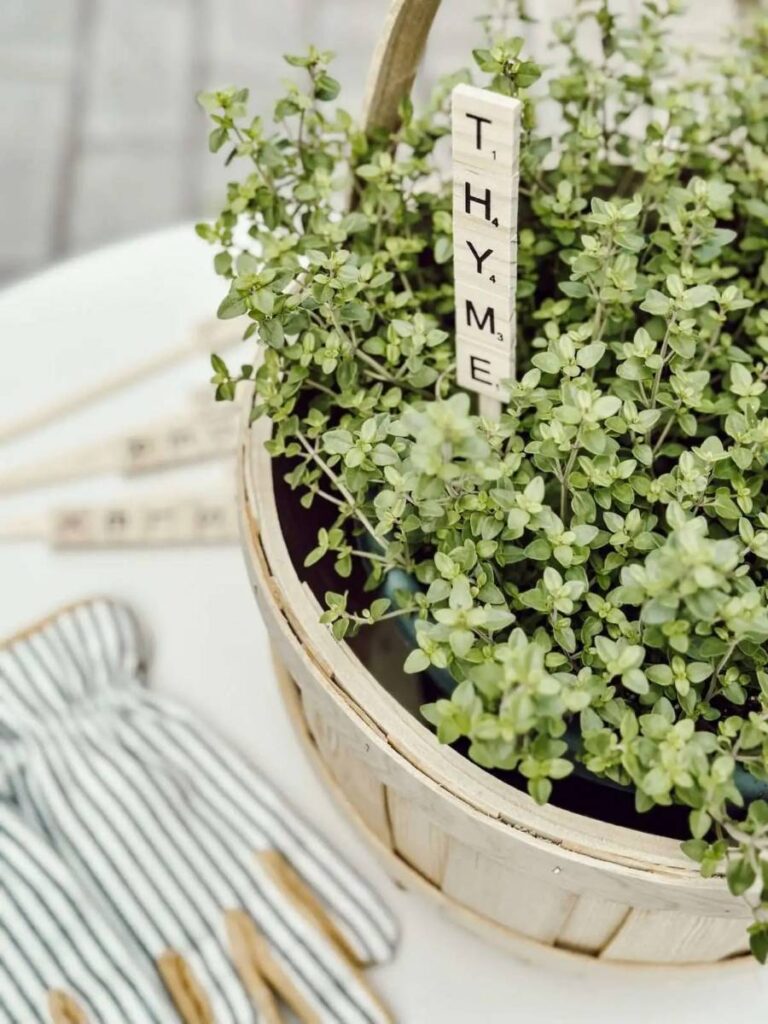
pixel 159 823
pixel 53 938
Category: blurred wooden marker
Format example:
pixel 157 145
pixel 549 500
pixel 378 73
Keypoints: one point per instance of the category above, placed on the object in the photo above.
pixel 206 434
pixel 486 179
pixel 157 523
pixel 206 337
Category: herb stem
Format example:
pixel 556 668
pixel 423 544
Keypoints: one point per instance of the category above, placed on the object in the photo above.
pixel 381 371
pixel 339 485
pixel 663 354
pixel 567 472
pixel 712 689
pixel 667 427
pixel 362 620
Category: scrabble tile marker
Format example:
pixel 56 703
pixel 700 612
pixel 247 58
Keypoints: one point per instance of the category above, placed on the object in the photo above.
pixel 486 157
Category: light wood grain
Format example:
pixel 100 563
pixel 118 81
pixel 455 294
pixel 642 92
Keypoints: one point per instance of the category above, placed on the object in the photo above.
pixel 364 790
pixel 483 367
pixel 675 938
pixel 485 130
pixel 484 317
pixel 591 924
pixel 498 135
pixel 416 839
pixel 536 907
pixel 482 199
pixel 396 61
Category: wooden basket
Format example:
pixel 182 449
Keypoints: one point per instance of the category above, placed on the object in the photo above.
pixel 541 880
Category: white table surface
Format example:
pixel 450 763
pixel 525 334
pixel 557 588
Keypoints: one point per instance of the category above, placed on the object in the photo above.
pixel 77 323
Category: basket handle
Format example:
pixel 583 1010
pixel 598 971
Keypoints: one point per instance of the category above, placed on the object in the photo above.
pixel 396 60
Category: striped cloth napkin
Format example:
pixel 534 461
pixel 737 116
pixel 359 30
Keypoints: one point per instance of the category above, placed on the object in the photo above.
pixel 158 853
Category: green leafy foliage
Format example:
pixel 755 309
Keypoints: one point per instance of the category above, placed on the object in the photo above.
pixel 597 560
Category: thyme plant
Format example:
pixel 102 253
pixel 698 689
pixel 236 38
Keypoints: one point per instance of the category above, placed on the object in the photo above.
pixel 596 562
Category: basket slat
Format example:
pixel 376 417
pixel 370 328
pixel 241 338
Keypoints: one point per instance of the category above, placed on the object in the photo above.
pixel 592 924
pixel 675 938
pixel 508 895
pixel 366 794
pixel 416 839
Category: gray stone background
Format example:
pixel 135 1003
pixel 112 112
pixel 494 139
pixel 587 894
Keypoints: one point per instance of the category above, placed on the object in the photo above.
pixel 100 137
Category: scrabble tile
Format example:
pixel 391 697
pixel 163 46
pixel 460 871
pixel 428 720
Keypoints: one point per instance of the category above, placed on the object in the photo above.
pixel 485 129
pixel 486 140
pixel 482 368
pixel 485 263
pixel 485 316
pixel 488 199
pixel 484 234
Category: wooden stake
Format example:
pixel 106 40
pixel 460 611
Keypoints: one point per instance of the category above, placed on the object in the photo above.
pixel 158 523
pixel 486 156
pixel 205 434
pixel 208 336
